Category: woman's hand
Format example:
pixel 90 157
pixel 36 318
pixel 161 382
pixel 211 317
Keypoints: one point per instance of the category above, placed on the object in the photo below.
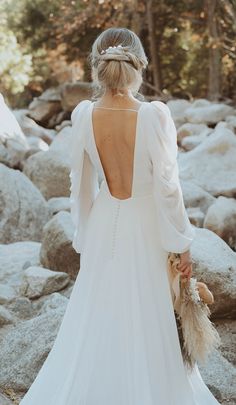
pixel 185 265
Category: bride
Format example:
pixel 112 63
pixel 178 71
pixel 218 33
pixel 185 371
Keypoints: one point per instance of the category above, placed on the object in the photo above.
pixel 118 341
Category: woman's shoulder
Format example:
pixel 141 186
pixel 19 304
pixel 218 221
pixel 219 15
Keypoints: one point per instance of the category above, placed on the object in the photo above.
pixel 79 108
pixel 159 107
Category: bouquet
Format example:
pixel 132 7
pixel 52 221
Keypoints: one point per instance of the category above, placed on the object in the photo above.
pixel 197 334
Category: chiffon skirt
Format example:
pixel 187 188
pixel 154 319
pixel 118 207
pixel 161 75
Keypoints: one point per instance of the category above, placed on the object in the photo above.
pixel 118 341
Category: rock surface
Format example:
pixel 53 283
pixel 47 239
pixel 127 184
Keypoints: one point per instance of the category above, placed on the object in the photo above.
pixel 40 281
pixel 215 264
pixel 43 108
pixel 195 196
pixel 73 93
pixel 212 164
pixel 25 347
pixel 221 219
pixel 49 171
pixel 57 252
pixel 207 114
pixel 23 209
pixel 59 204
pixel 13 143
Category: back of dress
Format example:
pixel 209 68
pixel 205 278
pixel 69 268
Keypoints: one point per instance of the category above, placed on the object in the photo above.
pixel 118 342
pixel 155 170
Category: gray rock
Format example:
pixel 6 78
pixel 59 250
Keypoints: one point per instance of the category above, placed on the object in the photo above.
pixel 220 376
pixel 190 142
pixel 188 129
pixel 212 164
pixel 227 330
pixel 195 196
pixel 4 400
pixel 43 108
pixel 22 308
pixel 7 294
pixel 59 204
pixel 14 258
pixel 40 281
pixel 196 216
pixel 73 93
pixel 231 119
pixel 177 108
pixel 207 114
pixel 25 347
pixel 6 317
pixel 49 171
pixel 24 211
pixel 57 252
pixel 31 129
pixel 221 219
pixel 36 145
pixel 13 143
pixel 215 264
pixel 200 102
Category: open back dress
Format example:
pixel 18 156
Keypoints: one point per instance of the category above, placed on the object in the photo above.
pixel 118 341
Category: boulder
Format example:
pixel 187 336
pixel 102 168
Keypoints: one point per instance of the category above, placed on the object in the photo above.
pixel 25 346
pixel 212 164
pixel 13 143
pixel 14 258
pixel 177 109
pixel 36 145
pixel 195 196
pixel 49 171
pixel 73 93
pixel 61 142
pixel 207 114
pixel 215 264
pixel 24 210
pixel 196 216
pixel 57 252
pixel 190 142
pixel 7 293
pixel 6 317
pixel 200 102
pixel 5 401
pixel 219 376
pixel 31 129
pixel 231 119
pixel 40 281
pixel 221 219
pixel 188 129
pixel 227 329
pixel 59 204
pixel 44 107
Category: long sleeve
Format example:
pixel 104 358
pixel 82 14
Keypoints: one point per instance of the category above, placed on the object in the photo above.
pixel 83 177
pixel 176 231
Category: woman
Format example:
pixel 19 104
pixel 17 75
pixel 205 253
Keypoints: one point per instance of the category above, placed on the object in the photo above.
pixel 118 341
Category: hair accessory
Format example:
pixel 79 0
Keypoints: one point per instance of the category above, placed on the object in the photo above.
pixel 113 49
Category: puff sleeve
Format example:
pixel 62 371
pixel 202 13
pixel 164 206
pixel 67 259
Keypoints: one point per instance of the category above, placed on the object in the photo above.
pixel 83 178
pixel 176 231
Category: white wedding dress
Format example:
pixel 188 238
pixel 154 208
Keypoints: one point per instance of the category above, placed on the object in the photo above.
pixel 118 341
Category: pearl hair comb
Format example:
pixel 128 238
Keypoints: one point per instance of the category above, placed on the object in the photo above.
pixel 111 49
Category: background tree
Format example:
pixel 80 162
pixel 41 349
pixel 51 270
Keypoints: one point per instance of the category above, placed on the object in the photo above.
pixel 190 44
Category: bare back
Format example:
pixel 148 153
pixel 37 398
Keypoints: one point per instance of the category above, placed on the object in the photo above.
pixel 115 136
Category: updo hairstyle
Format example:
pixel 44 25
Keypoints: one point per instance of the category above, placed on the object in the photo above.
pixel 117 62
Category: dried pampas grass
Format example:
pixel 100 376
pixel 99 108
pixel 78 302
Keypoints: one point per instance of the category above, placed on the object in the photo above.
pixel 197 334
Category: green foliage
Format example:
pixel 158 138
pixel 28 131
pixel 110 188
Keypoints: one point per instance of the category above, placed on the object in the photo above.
pixel 15 62
pixel 41 34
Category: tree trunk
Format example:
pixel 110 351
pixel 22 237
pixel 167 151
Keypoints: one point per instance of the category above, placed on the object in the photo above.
pixel 214 74
pixel 155 57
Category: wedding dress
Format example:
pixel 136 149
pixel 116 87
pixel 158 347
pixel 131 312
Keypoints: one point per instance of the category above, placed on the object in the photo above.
pixel 118 341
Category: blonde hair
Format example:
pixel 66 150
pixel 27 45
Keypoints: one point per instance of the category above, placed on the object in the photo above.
pixel 117 62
